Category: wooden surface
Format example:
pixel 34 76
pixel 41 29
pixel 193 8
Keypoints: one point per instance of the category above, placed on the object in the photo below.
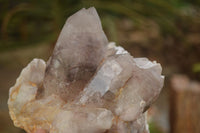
pixel 184 105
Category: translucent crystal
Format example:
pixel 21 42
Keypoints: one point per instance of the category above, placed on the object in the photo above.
pixel 79 50
pixel 87 86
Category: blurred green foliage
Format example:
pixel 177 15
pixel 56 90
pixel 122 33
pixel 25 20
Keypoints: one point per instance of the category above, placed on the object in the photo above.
pixel 27 22
pixel 153 128
pixel 196 67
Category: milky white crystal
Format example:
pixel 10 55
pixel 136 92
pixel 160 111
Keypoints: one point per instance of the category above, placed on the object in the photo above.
pixel 87 86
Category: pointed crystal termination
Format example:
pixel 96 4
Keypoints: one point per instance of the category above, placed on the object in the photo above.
pixel 87 86
pixel 79 50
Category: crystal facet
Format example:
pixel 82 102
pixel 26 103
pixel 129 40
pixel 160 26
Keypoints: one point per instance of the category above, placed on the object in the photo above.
pixel 87 86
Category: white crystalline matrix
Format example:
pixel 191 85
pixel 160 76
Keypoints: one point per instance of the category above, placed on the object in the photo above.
pixel 88 85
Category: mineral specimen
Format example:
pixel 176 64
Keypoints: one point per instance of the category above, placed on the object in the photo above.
pixel 87 86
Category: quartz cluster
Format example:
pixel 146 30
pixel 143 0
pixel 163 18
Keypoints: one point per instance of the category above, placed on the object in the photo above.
pixel 88 85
